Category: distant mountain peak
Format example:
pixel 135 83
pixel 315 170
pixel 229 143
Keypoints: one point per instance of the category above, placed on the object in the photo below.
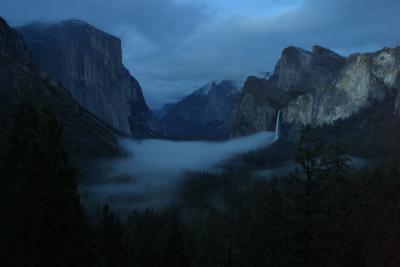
pixel 321 50
pixel 205 90
pixel 76 22
pixel 226 85
pixel 205 113
pixel 302 70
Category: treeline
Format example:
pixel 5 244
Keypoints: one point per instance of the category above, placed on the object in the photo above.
pixel 323 214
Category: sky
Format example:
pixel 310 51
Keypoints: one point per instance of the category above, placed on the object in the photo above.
pixel 175 46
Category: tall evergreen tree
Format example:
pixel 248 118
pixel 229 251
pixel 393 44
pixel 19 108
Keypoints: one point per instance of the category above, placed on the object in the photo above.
pixel 337 184
pixel 303 191
pixel 143 234
pixel 16 162
pixel 276 226
pixel 173 249
pixel 110 239
pixel 43 223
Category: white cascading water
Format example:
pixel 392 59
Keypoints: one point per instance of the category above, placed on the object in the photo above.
pixel 277 126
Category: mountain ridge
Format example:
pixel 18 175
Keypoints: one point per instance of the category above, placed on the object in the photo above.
pixel 88 62
pixel 203 114
pixel 320 87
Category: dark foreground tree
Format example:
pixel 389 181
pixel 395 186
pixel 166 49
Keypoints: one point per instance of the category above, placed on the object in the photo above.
pixel 173 250
pixel 16 163
pixel 304 193
pixel 110 239
pixel 336 169
pixel 43 222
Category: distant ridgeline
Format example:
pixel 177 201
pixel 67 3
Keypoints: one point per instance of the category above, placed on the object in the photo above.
pixel 317 88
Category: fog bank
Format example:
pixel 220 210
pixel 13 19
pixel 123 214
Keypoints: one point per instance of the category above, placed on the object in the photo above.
pixel 154 158
pixel 147 177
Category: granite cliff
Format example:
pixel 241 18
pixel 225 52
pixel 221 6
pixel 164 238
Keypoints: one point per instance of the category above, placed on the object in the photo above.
pixel 318 88
pixel 302 71
pixel 84 134
pixel 365 78
pixel 256 107
pixel 88 62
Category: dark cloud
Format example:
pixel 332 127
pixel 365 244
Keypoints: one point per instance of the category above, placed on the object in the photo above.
pixel 157 20
pixel 173 47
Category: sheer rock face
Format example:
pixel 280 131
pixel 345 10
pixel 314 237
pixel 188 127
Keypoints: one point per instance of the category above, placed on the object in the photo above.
pixel 205 114
pixel 319 107
pixel 297 73
pixel 358 81
pixel 386 66
pixel 364 79
pixel 84 134
pixel 256 107
pixel 88 62
pixel 322 87
pixel 304 71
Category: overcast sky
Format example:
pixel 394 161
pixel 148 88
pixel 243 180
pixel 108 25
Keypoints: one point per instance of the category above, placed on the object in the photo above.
pixel 175 46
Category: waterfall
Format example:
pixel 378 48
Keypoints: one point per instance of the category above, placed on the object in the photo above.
pixel 277 126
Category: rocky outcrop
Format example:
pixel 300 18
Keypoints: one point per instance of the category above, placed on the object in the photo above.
pixel 303 71
pixel 256 107
pixel 322 87
pixel 324 105
pixel 88 62
pixel 365 78
pixel 84 134
pixel 204 114
pixel 386 66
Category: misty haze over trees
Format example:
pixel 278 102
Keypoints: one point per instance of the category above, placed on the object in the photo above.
pixel 322 214
pixel 295 165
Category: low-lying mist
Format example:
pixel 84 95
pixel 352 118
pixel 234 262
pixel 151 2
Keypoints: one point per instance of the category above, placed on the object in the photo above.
pixel 147 178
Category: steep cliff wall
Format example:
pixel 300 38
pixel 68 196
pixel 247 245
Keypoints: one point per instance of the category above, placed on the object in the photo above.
pixel 256 107
pixel 321 86
pixel 364 79
pixel 84 134
pixel 303 71
pixel 88 62
pixel 297 73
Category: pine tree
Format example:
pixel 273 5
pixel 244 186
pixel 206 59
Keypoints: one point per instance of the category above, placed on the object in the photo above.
pixel 303 192
pixel 43 221
pixel 110 239
pixel 16 163
pixel 276 226
pixel 263 227
pixel 336 173
pixel 173 249
pixel 143 237
pixel 337 158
